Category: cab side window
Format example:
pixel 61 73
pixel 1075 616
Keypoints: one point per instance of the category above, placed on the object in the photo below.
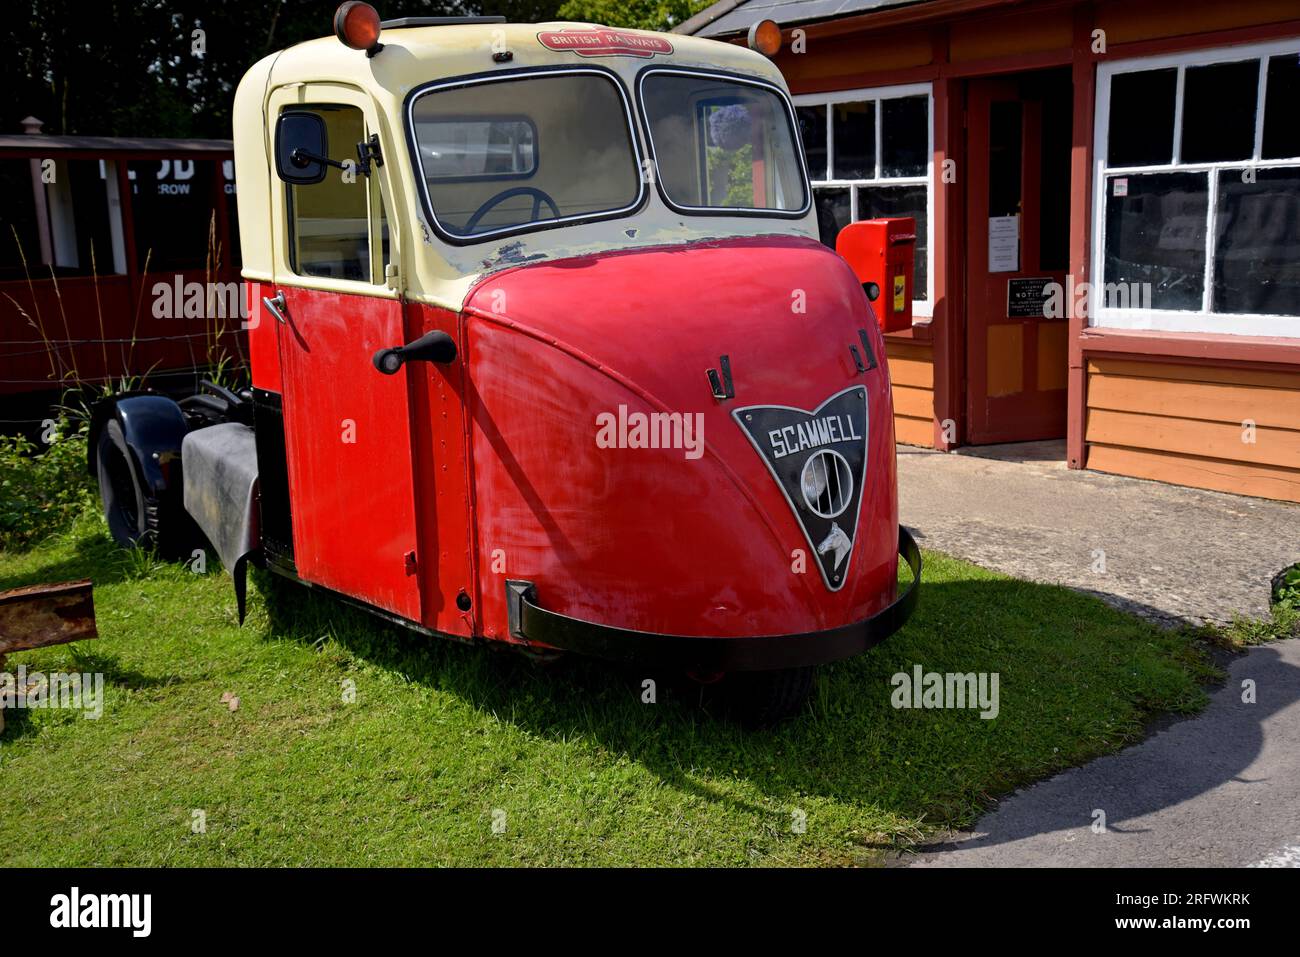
pixel 331 223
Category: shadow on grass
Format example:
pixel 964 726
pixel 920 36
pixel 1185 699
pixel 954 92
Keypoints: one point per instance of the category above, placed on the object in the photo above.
pixel 94 556
pixel 86 660
pixel 1077 679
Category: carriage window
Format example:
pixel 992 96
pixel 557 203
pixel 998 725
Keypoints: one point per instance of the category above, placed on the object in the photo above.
pixel 173 205
pixel 329 221
pixel 508 155
pixel 723 145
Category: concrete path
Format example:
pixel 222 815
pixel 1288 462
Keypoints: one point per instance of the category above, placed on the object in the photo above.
pixel 1221 789
pixel 1160 550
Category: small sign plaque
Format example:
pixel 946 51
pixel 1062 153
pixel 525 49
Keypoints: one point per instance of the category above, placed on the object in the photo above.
pixel 1027 298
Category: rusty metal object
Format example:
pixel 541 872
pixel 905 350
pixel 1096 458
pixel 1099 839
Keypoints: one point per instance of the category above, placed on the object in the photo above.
pixel 40 615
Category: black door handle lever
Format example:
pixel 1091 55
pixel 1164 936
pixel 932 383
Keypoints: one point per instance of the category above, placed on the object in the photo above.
pixel 434 346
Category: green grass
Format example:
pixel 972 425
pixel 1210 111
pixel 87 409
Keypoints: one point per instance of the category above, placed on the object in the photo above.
pixel 441 734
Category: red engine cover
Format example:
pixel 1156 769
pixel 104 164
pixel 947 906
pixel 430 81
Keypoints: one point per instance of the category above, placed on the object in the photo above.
pixel 691 541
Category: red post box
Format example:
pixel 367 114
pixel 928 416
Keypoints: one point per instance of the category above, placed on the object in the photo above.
pixel 881 252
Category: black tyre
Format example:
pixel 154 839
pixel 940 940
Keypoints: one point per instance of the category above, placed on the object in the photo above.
pixel 764 698
pixel 135 516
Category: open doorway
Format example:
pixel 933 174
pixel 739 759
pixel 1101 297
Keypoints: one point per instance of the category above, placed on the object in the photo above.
pixel 1018 211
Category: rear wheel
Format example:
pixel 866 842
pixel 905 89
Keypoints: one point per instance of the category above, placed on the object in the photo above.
pixel 763 698
pixel 135 516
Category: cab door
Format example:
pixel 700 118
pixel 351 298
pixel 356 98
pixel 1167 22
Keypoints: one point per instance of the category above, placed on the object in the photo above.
pixel 348 437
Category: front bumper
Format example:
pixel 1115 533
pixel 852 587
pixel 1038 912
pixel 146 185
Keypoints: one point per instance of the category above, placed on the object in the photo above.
pixel 533 624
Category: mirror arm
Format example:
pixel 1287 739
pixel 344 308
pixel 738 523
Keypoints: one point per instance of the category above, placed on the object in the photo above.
pixel 300 153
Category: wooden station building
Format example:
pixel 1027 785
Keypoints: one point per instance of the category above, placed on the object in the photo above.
pixel 1149 149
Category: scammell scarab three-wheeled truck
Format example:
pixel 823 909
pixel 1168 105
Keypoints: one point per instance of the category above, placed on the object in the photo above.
pixel 545 352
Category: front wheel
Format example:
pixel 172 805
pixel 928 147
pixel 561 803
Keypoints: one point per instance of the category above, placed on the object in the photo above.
pixel 764 698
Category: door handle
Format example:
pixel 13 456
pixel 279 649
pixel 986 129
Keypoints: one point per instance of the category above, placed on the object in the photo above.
pixel 277 307
pixel 434 346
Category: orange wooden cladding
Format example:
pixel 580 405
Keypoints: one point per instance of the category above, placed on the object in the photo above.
pixel 1053 344
pixel 1230 441
pixel 1262 481
pixel 911 370
pixel 1208 401
pixel 1232 375
pixel 1005 360
pixel 1231 429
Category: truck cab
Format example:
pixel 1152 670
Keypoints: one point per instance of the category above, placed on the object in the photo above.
pixel 544 350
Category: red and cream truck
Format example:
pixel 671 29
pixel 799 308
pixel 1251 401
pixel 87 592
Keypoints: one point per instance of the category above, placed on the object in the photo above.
pixel 545 352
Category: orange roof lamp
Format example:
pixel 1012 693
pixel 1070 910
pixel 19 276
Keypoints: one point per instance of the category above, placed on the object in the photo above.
pixel 357 25
pixel 765 37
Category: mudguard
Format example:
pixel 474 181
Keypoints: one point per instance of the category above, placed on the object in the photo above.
pixel 220 489
pixel 153 426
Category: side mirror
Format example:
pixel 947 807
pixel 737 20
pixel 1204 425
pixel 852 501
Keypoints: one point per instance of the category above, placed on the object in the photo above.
pixel 301 146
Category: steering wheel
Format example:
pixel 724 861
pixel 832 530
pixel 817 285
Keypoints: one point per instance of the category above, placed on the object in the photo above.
pixel 539 197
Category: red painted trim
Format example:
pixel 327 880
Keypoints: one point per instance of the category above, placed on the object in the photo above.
pixel 930 73
pixel 1018 63
pixel 949 258
pixel 1198 41
pixel 9 152
pixel 1085 94
pixel 921 13
pixel 862 81
pixel 1197 348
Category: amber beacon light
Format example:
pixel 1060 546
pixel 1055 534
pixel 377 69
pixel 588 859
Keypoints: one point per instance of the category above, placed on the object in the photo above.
pixel 765 37
pixel 357 25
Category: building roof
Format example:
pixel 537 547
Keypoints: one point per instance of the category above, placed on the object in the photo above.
pixel 736 16
pixel 110 144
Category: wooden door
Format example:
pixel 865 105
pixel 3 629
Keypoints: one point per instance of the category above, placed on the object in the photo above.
pixel 1016 356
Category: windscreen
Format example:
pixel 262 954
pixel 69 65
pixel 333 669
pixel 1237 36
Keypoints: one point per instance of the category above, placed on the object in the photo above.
pixel 512 155
pixel 723 144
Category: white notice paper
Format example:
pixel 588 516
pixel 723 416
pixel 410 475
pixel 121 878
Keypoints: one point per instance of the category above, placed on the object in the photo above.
pixel 1004 243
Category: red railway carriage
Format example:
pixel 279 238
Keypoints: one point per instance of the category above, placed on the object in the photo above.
pixel 118 261
pixel 545 352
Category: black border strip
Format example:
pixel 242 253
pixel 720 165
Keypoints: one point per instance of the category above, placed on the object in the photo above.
pixel 530 622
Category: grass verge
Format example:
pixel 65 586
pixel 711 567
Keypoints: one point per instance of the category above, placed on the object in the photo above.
pixel 442 739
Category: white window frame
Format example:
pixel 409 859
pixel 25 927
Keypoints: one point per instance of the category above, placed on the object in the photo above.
pixel 1179 320
pixel 921 308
